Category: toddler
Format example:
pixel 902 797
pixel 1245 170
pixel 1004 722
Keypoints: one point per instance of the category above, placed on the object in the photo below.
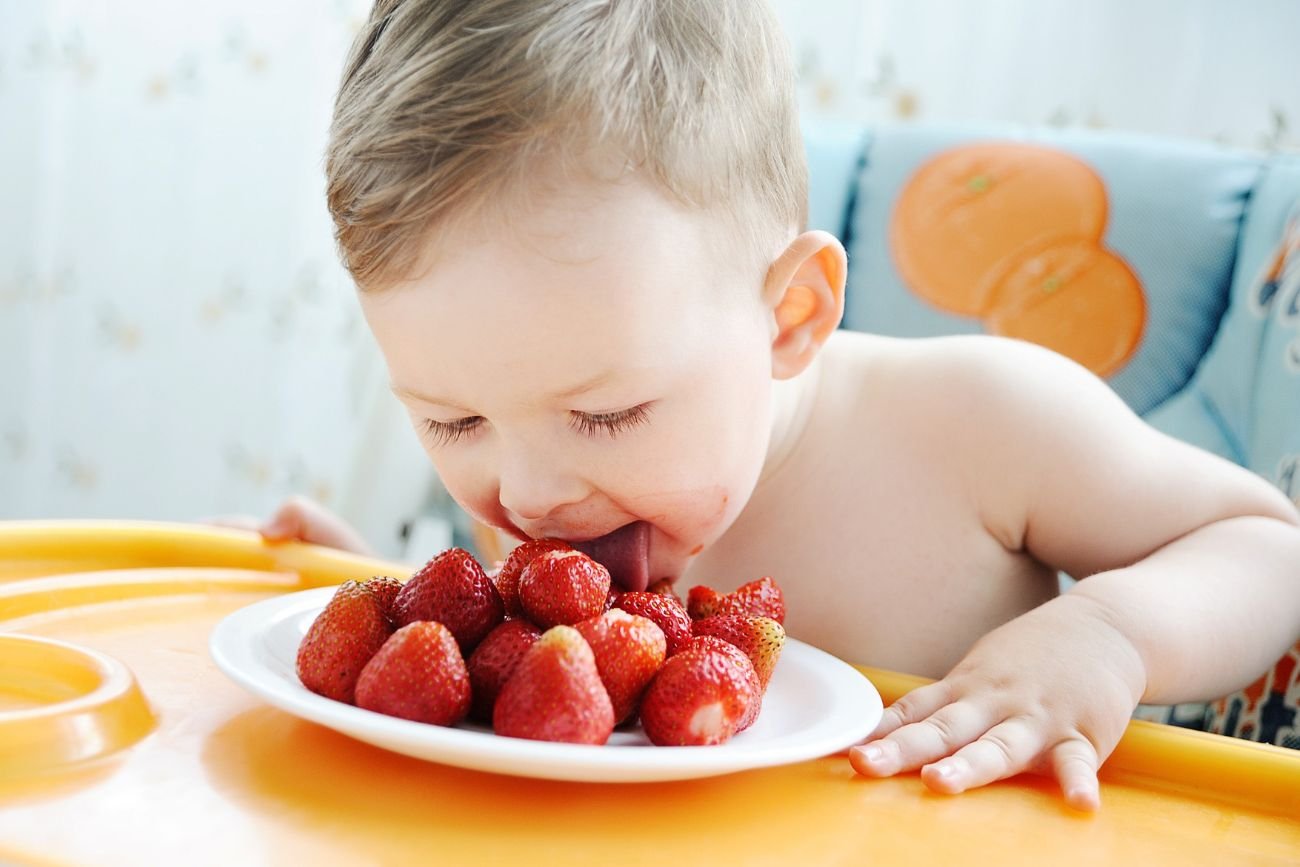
pixel 577 228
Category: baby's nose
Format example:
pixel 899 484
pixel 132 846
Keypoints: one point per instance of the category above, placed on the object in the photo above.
pixel 532 491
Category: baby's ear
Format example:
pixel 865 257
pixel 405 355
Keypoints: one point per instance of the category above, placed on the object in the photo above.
pixel 805 292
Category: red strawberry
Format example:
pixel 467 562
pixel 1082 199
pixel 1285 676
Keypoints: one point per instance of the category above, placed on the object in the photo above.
pixel 386 589
pixel 507 580
pixel 494 660
pixel 611 598
pixel 740 659
pixel 555 693
pixel 703 695
pixel 418 675
pixel 702 601
pixel 664 587
pixel 341 640
pixel 563 588
pixel 761 638
pixel 666 612
pixel 762 598
pixel 452 589
pixel 629 650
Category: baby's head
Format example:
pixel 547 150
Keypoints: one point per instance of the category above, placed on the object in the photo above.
pixel 577 230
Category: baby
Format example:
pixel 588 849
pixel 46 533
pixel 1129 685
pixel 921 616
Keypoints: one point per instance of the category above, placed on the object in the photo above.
pixel 578 233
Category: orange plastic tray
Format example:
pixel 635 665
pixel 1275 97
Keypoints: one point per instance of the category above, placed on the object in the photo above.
pixel 120 743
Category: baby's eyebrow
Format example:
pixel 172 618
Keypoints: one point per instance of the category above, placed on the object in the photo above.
pixel 586 385
pixel 407 394
pixel 589 384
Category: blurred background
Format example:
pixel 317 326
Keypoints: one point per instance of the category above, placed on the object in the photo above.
pixel 177 338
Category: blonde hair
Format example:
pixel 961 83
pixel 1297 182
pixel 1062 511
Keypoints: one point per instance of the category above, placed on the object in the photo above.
pixel 444 104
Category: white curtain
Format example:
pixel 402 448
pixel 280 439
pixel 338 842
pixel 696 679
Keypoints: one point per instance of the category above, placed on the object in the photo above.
pixel 177 338
pixel 1209 69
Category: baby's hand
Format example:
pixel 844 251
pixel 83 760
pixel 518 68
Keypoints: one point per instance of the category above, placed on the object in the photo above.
pixel 1051 692
pixel 299 518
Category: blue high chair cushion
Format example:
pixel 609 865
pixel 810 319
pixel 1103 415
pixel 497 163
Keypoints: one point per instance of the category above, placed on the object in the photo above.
pixel 1248 386
pixel 1168 214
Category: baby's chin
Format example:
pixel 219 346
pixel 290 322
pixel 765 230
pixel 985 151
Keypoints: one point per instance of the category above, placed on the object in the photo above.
pixel 670 559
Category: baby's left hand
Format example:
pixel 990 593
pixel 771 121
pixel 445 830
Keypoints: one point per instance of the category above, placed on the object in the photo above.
pixel 1051 691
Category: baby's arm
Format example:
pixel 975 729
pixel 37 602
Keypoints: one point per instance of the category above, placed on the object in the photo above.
pixel 1190 568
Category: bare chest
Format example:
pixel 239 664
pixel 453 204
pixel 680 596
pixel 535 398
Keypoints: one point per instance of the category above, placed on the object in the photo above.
pixel 882 556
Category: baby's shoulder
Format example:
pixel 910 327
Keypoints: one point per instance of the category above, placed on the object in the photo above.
pixel 964 425
pixel 937 378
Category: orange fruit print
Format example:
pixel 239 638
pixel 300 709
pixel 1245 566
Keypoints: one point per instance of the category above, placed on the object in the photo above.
pixel 1012 234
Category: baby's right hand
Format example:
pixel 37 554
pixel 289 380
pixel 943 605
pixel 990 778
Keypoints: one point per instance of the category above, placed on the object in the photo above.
pixel 301 519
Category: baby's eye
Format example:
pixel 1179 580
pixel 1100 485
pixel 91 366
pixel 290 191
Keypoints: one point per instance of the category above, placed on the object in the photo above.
pixel 447 432
pixel 610 423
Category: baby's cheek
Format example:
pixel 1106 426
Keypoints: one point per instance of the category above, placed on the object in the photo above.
pixel 695 491
pixel 694 513
pixel 477 498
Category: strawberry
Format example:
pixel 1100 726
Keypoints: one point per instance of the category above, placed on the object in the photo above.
pixel 664 587
pixel 629 650
pixel 386 589
pixel 762 598
pixel 739 658
pixel 666 612
pixel 703 695
pixel 341 640
pixel 494 660
pixel 761 638
pixel 507 580
pixel 418 675
pixel 611 598
pixel 452 589
pixel 702 601
pixel 563 588
pixel 555 693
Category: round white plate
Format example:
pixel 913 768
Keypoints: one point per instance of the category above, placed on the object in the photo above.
pixel 815 705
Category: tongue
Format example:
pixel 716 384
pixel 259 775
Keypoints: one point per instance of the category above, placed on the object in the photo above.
pixel 624 552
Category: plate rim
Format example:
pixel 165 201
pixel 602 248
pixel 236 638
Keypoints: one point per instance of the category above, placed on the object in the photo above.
pixel 237 659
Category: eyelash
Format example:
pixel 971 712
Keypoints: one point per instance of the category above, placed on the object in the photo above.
pixel 447 432
pixel 610 424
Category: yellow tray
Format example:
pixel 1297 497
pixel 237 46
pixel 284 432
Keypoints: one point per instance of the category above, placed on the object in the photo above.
pixel 120 743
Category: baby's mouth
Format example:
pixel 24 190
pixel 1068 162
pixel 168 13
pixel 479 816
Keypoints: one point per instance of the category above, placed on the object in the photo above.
pixel 625 553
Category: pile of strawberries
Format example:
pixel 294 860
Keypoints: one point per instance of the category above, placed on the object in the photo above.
pixel 546 650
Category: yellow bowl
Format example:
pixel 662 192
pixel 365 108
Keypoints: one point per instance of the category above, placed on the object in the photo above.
pixel 61 705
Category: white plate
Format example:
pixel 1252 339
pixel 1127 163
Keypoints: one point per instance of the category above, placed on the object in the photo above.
pixel 815 705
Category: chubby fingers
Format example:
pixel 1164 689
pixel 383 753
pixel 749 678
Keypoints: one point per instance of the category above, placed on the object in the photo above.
pixel 913 707
pixel 1002 751
pixel 957 749
pixel 915 744
pixel 296 518
pixel 1075 762
pixel 301 518
pixel 1011 748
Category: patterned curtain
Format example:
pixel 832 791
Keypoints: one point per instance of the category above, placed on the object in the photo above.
pixel 177 338
pixel 1207 69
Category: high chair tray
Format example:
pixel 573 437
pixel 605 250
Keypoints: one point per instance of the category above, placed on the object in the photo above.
pixel 122 743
